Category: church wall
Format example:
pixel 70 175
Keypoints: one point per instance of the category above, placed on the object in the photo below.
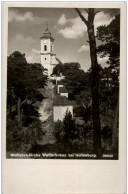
pixel 59 112
pixel 48 61
pixel 45 59
pixel 58 87
pixel 64 94
pixel 54 61
pixel 45 42
pixel 52 66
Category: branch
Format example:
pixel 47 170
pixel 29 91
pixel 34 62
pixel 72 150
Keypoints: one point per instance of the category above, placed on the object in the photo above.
pixel 83 105
pixel 88 41
pixel 87 10
pixel 96 12
pixel 23 102
pixel 81 16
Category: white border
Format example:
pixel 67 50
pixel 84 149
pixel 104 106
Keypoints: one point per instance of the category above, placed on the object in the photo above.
pixel 66 176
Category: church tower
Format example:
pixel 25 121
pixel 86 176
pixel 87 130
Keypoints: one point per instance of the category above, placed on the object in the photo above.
pixel 48 58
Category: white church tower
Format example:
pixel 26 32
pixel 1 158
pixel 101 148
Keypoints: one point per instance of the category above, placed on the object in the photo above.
pixel 48 58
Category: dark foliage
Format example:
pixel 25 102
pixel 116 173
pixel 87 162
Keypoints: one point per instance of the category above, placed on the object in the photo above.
pixel 23 83
pixel 24 80
pixel 22 139
pixel 66 132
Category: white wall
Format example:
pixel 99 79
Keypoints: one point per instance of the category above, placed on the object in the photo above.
pixel 58 87
pixel 59 112
pixel 64 94
pixel 46 59
pixel 45 42
pixel 54 61
pixel 46 63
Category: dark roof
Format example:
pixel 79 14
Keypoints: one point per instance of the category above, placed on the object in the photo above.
pixel 47 34
pixel 63 90
pixel 59 61
pixel 60 82
pixel 58 74
pixel 62 101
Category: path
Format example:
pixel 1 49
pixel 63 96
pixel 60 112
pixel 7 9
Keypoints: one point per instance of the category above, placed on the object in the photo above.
pixel 46 112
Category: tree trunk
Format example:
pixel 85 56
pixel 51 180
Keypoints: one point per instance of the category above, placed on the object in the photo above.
pixel 115 128
pixel 19 112
pixel 95 78
pixel 94 90
pixel 10 100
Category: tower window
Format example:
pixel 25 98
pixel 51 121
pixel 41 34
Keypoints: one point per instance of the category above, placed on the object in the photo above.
pixel 45 47
pixel 51 48
pixel 45 58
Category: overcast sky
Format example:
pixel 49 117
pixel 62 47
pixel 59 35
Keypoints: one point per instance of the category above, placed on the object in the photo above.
pixel 26 26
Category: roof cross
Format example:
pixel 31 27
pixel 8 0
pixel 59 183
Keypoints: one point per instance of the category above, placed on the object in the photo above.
pixel 46 26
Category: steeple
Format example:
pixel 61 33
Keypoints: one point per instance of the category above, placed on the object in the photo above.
pixel 47 34
pixel 48 58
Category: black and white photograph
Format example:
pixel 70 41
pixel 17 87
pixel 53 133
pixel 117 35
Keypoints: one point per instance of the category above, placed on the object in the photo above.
pixel 63 97
pixel 63 83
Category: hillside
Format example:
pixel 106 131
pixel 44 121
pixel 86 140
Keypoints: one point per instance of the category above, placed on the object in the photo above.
pixel 46 112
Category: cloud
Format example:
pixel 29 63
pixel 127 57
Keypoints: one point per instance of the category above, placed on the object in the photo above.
pixel 83 48
pixel 103 61
pixel 62 20
pixel 102 19
pixel 15 15
pixel 35 51
pixel 75 28
pixel 31 58
pixel 27 40
pixel 21 43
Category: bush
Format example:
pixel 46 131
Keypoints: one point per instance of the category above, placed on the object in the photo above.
pixel 65 132
pixel 22 139
pixel 70 132
pixel 13 135
pixel 106 138
pixel 58 131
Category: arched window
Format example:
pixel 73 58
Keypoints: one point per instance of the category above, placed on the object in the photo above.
pixel 45 47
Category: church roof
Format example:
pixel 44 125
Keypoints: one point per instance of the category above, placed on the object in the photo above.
pixel 63 90
pixel 60 82
pixel 62 101
pixel 47 34
pixel 59 61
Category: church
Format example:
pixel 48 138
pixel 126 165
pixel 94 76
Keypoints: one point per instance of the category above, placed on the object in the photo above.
pixel 49 61
pixel 48 58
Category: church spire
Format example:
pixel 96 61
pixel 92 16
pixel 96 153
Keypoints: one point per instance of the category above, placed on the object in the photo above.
pixel 47 32
pixel 46 27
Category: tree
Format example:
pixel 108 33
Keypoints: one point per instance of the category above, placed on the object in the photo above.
pixel 110 43
pixel 22 139
pixel 65 132
pixel 24 81
pixel 24 128
pixel 75 82
pixel 15 72
pixel 65 68
pixel 95 77
pixel 69 128
pixel 58 131
pixel 75 78
pixel 110 37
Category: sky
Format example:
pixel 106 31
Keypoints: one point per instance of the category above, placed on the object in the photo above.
pixel 26 26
